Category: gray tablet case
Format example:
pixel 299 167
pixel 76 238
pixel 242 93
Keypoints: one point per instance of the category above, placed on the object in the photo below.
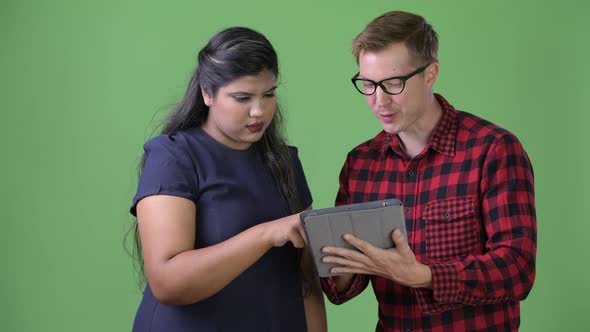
pixel 371 221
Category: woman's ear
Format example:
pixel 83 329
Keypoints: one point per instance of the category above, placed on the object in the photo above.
pixel 208 100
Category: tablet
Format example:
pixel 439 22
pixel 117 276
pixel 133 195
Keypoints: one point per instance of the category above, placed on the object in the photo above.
pixel 371 221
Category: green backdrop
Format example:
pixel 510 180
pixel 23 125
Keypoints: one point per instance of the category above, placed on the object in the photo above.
pixel 84 83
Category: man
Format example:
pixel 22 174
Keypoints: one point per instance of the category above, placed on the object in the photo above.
pixel 467 189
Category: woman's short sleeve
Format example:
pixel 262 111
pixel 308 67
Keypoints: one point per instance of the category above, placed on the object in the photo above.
pixel 300 180
pixel 167 170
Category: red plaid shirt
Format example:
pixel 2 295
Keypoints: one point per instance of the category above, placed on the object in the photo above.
pixel 470 215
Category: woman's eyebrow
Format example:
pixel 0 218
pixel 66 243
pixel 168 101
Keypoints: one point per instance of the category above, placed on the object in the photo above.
pixel 247 93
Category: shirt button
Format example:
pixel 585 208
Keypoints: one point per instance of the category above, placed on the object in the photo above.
pixel 408 211
pixel 411 173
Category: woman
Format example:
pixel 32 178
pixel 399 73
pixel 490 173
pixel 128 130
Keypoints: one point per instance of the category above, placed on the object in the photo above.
pixel 218 204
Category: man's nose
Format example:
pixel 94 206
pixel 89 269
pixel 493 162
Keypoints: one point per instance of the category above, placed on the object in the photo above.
pixel 381 97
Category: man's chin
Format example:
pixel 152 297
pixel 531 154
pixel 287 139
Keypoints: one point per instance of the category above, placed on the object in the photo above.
pixel 391 129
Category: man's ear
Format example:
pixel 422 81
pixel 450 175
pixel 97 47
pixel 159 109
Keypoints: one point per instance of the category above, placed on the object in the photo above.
pixel 208 100
pixel 431 74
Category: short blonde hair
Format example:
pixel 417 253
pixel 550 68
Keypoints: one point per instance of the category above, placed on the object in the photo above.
pixel 399 27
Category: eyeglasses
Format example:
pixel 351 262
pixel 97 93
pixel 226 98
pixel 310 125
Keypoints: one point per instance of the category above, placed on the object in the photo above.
pixel 393 85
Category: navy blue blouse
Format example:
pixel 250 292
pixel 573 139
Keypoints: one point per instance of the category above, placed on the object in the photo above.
pixel 234 191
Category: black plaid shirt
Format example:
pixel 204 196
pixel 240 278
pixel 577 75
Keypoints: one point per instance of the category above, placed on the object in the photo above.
pixel 470 216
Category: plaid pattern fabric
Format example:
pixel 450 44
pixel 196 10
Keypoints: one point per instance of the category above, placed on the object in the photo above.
pixel 470 215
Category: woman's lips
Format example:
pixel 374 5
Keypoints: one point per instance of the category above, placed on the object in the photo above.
pixel 256 127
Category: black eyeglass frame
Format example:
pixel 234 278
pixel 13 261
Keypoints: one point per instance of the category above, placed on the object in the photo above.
pixel 355 78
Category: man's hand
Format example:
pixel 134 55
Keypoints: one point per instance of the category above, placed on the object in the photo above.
pixel 398 264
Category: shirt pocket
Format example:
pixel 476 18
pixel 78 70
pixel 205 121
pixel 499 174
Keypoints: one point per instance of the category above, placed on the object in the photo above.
pixel 452 228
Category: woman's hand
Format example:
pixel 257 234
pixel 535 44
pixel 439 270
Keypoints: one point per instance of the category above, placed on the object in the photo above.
pixel 288 229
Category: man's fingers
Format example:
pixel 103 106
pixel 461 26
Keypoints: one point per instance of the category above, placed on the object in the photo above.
pixel 343 262
pixel 342 270
pixel 401 244
pixel 361 245
pixel 343 252
pixel 349 270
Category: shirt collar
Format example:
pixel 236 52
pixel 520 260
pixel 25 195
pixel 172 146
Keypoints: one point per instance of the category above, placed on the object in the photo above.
pixel 442 139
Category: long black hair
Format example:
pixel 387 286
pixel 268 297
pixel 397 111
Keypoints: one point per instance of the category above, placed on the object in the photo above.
pixel 229 55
